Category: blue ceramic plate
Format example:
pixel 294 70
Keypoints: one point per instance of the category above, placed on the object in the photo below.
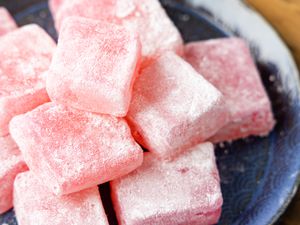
pixel 259 175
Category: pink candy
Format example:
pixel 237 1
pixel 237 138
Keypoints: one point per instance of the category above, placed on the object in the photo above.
pixel 72 150
pixel 24 55
pixel 119 58
pixel 157 32
pixel 174 107
pixel 97 76
pixel 35 206
pixel 184 191
pixel 228 65
pixel 11 163
pixel 7 23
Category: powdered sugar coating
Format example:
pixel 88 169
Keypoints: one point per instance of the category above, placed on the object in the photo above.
pixel 228 65
pixel 35 206
pixel 11 164
pixel 174 107
pixel 71 150
pixel 184 191
pixel 157 32
pixel 99 75
pixel 25 56
pixel 7 23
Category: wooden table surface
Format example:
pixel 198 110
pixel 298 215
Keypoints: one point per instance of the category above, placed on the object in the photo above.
pixel 284 15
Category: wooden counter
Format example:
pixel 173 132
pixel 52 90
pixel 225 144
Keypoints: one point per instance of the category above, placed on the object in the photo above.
pixel 284 15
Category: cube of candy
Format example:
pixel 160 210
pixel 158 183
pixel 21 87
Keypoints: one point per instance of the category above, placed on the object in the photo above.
pixel 174 107
pixel 35 206
pixel 157 32
pixel 11 163
pixel 183 191
pixel 228 65
pixel 7 23
pixel 99 75
pixel 25 55
pixel 72 150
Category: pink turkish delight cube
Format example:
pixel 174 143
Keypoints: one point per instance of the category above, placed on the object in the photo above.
pixel 227 64
pixel 7 23
pixel 71 150
pixel 35 206
pixel 99 75
pixel 157 32
pixel 25 54
pixel 183 191
pixel 174 107
pixel 11 164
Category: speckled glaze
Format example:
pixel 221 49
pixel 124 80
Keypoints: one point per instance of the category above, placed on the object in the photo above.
pixel 259 175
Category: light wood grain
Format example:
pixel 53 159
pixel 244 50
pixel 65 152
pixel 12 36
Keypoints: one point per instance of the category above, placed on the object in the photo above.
pixel 284 15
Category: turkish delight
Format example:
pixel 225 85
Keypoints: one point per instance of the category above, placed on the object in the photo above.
pixel 227 64
pixel 157 32
pixel 183 191
pixel 35 206
pixel 25 54
pixel 97 76
pixel 11 164
pixel 174 107
pixel 71 150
